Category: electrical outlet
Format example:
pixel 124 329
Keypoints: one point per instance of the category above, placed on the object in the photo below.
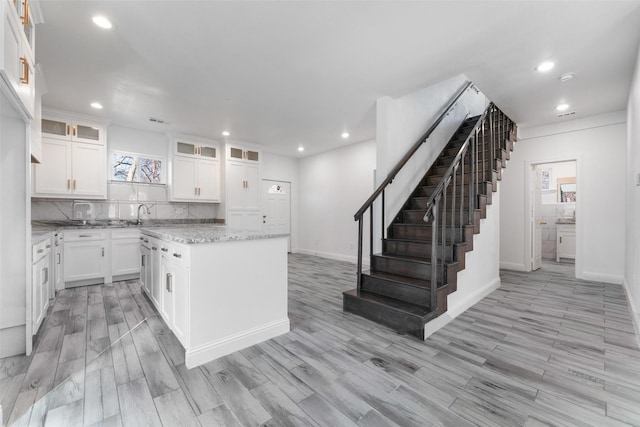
pixel 78 215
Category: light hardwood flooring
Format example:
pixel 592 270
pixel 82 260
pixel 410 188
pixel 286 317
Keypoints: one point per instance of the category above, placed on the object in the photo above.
pixel 544 349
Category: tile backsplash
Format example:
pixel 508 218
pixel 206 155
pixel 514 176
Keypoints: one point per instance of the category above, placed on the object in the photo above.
pixel 123 202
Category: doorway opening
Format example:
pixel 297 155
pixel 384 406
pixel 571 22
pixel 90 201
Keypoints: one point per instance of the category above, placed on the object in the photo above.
pixel 276 208
pixel 553 190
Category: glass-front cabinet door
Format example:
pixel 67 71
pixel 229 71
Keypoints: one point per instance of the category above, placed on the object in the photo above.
pixel 208 152
pixel 59 129
pixel 185 148
pixel 86 133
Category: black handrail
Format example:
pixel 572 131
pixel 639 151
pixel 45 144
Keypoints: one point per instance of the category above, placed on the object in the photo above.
pixel 391 176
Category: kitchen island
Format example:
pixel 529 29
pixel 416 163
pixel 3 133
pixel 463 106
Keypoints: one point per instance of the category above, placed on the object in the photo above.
pixel 218 290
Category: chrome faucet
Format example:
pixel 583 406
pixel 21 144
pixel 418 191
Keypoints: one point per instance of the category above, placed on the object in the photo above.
pixel 146 211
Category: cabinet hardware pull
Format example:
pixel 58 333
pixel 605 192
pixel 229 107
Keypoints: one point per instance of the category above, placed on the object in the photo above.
pixel 154 248
pixel 74 184
pixel 85 235
pixel 177 255
pixel 74 131
pixel 58 258
pixel 68 129
pixel 142 261
pixel 164 250
pixel 102 251
pixel 25 18
pixel 48 246
pixel 68 184
pixel 169 282
pixel 24 78
pixel 141 238
pixel 560 239
pixel 45 279
pixel 146 240
pixel 40 251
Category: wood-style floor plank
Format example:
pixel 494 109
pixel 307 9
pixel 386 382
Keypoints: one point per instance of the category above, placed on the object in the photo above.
pixel 544 349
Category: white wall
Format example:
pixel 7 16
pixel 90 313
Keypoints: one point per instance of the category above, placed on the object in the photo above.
pixel 281 168
pixel 402 121
pixel 15 244
pixel 632 240
pixel 598 145
pixel 332 187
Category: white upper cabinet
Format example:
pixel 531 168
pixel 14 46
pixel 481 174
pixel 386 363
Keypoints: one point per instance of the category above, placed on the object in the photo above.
pixel 72 160
pixel 243 154
pixel 17 61
pixel 70 129
pixel 195 171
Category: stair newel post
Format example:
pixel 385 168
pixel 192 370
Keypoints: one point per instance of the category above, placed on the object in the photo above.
pixel 472 175
pixel 371 231
pixel 360 226
pixel 492 143
pixel 444 228
pixel 382 215
pixel 434 252
pixel 482 149
pixel 463 157
pixel 453 205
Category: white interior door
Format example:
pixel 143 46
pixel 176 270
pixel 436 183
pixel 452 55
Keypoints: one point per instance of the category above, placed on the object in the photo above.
pixel 276 207
pixel 536 218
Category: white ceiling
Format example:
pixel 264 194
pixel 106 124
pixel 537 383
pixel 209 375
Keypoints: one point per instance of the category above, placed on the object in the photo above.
pixel 284 74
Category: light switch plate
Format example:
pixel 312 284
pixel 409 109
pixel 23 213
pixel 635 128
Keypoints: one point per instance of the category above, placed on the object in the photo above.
pixel 638 179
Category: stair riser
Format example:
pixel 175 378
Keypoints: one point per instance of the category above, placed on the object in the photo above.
pixel 421 202
pixel 411 269
pixel 400 291
pixel 421 233
pixel 417 250
pixel 483 188
pixel 442 165
pixel 483 176
pixel 401 322
pixel 417 217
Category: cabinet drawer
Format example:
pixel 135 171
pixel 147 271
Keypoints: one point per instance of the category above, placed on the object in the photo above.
pixel 87 235
pixel 125 234
pixel 40 250
pixel 175 253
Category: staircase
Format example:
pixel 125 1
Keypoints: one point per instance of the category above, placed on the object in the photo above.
pixel 424 247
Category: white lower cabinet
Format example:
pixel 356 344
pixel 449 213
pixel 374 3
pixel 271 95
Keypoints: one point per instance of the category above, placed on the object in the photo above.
pixel 84 256
pixel 243 220
pixel 40 281
pixel 175 290
pixel 156 275
pixel 566 241
pixel 125 252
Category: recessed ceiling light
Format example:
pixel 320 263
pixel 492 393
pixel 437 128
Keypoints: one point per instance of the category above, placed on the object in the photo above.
pixel 562 107
pixel 96 105
pixel 345 135
pixel 567 76
pixel 545 66
pixel 102 22
pixel 301 149
pixel 225 133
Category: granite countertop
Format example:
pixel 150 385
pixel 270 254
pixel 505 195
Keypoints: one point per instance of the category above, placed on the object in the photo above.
pixel 38 226
pixel 206 234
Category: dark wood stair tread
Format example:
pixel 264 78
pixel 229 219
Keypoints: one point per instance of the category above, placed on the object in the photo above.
pixel 406 307
pixel 402 279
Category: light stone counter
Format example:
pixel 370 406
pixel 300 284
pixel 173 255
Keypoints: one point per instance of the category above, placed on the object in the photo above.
pixel 205 234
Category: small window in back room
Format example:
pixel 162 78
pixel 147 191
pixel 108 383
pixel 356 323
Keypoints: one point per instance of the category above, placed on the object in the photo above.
pixel 128 167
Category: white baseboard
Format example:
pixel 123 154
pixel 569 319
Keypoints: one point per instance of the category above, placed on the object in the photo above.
pixel 207 352
pixel 605 278
pixel 454 311
pixel 511 266
pixel 13 341
pixel 634 307
pixel 337 257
